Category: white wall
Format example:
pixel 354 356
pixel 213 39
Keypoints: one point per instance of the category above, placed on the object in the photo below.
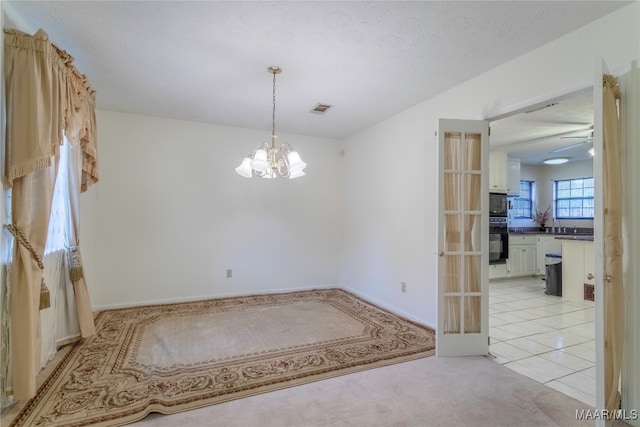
pixel 544 175
pixel 170 215
pixel 390 187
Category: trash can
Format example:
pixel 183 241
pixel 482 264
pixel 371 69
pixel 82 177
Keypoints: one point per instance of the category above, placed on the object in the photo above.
pixel 553 274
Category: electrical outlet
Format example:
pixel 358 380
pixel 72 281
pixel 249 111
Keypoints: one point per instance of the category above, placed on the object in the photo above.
pixel 229 273
pixel 403 286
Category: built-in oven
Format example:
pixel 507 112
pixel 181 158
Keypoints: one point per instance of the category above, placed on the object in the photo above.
pixel 497 204
pixel 498 240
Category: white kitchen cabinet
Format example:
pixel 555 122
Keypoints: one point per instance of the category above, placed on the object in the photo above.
pixel 498 172
pixel 497 271
pixel 577 268
pixel 522 256
pixel 546 245
pixel 513 177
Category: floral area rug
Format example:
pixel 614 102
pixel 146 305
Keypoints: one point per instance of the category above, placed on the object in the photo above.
pixel 172 358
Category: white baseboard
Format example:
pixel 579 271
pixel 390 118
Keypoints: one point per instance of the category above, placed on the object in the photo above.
pixel 209 296
pixel 359 294
pixel 388 307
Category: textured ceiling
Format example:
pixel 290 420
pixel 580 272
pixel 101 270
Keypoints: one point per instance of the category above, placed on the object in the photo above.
pixel 559 129
pixel 206 61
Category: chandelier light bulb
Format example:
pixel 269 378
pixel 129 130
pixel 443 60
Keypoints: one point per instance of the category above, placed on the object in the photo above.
pixel 245 168
pixel 295 162
pixel 259 162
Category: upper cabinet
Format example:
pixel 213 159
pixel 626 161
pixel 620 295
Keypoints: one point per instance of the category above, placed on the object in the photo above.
pixel 504 174
pixel 498 172
pixel 513 177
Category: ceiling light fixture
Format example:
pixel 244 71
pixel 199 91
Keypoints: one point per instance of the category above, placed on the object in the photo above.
pixel 556 161
pixel 266 161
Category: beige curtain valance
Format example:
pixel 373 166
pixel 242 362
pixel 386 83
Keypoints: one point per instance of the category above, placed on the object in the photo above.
pixel 45 96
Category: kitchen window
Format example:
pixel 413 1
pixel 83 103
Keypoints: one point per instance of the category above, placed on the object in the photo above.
pixel 573 198
pixel 523 204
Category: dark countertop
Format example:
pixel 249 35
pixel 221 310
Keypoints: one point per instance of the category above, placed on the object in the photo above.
pixel 582 236
pixel 581 233
pixel 585 238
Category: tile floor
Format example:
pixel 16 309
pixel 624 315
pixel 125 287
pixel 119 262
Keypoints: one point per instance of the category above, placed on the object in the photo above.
pixel 543 337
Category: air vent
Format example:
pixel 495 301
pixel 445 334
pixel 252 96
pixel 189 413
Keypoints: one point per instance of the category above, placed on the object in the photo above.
pixel 321 108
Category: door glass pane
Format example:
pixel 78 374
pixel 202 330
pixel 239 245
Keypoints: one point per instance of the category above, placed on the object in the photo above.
pixel 472 309
pixel 452 316
pixel 472 192
pixel 452 148
pixel 474 152
pixel 452 191
pixel 472 273
pixel 472 232
pixel 452 236
pixel 452 273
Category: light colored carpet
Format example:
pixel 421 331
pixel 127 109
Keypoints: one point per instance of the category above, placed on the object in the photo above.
pixel 433 391
pixel 172 358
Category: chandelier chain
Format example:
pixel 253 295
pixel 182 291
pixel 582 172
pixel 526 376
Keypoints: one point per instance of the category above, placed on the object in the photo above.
pixel 273 113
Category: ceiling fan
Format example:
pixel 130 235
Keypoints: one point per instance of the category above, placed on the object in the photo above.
pixel 584 140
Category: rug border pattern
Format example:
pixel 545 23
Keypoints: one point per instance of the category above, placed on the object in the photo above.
pixel 423 346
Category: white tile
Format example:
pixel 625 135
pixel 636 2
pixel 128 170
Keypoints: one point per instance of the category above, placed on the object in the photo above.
pixel 539 312
pixel 495 321
pixel 558 339
pixel 507 318
pixel 502 335
pixel 535 327
pixel 525 314
pixel 524 321
pixel 586 315
pixel 583 351
pixel 518 330
pixel 529 345
pixel 535 302
pixel 551 309
pixel 570 391
pixel 587 330
pixel 508 352
pixel 560 321
pixel 580 381
pixel 541 370
pixel 567 360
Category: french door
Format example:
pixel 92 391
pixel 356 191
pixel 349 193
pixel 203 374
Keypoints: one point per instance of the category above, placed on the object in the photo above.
pixel 463 238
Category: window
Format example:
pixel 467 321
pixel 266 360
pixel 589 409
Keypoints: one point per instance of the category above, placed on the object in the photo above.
pixel 523 204
pixel 574 198
pixel 56 236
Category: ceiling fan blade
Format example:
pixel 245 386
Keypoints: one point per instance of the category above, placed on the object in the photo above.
pixel 587 137
pixel 577 137
pixel 568 147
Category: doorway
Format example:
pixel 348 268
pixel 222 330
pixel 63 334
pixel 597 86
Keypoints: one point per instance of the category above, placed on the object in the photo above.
pixel 548 338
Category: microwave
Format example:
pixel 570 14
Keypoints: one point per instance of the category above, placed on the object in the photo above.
pixel 497 204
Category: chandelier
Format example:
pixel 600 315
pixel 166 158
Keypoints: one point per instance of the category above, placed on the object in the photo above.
pixel 267 161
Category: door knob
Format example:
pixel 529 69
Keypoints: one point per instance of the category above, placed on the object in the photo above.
pixel 590 276
pixel 441 254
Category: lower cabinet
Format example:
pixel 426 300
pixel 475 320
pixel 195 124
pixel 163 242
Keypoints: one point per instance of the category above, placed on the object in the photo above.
pixel 522 255
pixel 522 260
pixel 497 271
